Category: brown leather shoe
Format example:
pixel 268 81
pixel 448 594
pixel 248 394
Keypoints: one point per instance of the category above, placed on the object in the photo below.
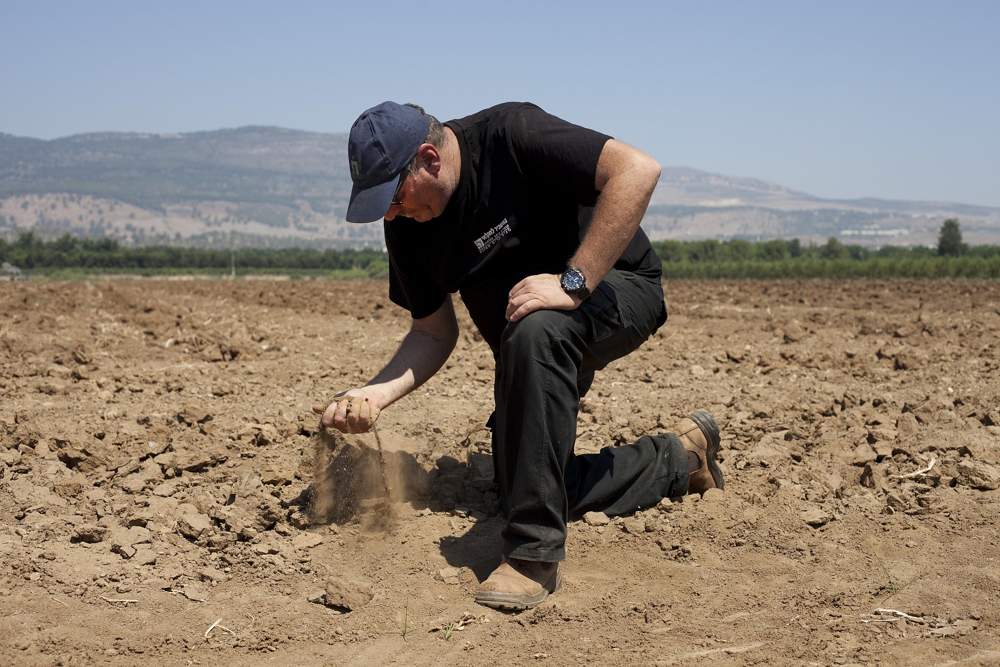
pixel 518 584
pixel 700 436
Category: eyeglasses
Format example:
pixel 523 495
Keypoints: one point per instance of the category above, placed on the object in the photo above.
pixel 397 196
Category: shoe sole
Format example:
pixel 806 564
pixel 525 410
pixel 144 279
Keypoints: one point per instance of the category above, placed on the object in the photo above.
pixel 706 422
pixel 513 602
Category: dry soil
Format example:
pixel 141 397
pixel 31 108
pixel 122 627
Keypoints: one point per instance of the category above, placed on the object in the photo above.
pixel 165 497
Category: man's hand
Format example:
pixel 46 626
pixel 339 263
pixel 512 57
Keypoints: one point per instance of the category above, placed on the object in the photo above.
pixel 352 412
pixel 540 292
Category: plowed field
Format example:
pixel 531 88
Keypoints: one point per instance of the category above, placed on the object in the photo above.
pixel 159 497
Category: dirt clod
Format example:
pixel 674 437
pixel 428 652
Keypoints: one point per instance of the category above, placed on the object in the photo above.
pixel 344 594
pixel 596 518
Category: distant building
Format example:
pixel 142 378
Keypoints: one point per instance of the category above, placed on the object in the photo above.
pixel 10 272
pixel 874 230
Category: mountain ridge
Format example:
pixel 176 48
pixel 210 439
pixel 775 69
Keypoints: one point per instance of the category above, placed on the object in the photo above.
pixel 269 185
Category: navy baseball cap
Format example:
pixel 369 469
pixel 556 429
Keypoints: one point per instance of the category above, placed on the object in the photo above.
pixel 383 141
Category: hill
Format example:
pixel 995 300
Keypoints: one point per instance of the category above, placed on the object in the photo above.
pixel 271 186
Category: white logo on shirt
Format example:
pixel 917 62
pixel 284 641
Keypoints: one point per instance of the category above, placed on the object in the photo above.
pixel 492 236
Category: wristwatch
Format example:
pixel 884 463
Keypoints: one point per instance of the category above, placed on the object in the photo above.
pixel 574 282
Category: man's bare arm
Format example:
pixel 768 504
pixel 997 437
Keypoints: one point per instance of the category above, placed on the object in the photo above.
pixel 626 178
pixel 420 355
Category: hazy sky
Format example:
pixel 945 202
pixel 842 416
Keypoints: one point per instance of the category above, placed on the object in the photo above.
pixel 839 99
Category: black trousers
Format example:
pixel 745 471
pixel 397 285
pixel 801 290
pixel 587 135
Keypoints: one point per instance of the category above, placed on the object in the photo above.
pixel 545 363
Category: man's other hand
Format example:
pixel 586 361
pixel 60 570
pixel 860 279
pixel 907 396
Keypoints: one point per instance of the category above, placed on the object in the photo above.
pixel 540 292
pixel 352 412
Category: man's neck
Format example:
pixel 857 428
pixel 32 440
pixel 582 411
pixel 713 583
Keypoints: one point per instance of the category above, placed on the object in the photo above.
pixel 452 159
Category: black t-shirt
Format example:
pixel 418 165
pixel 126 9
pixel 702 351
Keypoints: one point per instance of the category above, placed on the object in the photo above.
pixel 523 202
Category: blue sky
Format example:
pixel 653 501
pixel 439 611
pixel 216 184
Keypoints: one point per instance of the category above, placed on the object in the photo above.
pixel 846 99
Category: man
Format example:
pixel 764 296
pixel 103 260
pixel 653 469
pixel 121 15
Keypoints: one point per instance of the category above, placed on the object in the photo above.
pixel 535 222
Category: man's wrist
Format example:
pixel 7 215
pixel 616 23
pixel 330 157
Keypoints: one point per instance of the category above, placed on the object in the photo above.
pixel 373 393
pixel 574 282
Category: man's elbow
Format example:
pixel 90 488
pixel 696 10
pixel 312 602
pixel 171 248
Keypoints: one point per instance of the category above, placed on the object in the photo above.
pixel 650 170
pixel 441 333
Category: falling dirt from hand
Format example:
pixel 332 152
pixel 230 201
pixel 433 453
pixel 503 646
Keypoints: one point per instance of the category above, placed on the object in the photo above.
pixel 381 463
pixel 351 482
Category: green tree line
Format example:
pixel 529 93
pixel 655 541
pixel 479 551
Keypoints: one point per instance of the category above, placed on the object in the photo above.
pixel 681 259
pixel 781 258
pixel 29 252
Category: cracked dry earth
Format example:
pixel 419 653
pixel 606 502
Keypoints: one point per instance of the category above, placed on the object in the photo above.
pixel 165 497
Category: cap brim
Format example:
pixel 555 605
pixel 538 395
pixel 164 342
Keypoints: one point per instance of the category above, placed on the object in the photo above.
pixel 371 204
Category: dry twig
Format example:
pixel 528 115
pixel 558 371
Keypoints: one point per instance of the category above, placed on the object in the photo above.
pixel 448 628
pixel 917 473
pixel 125 601
pixel 882 612
pixel 184 593
pixel 221 627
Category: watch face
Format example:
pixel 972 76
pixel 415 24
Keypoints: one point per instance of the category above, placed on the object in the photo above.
pixel 572 280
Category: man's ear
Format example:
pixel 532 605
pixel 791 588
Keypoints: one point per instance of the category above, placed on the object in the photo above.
pixel 429 158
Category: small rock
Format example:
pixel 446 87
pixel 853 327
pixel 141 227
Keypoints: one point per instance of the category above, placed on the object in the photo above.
pixel 165 489
pixel 665 505
pixel 908 360
pixel 144 555
pixel 674 550
pixel 793 332
pixel 213 575
pixel 881 434
pixel 131 535
pixel 816 517
pixel 265 548
pixel 190 416
pixel 869 478
pixel 863 454
pixel 10 457
pixel 634 525
pixel 155 448
pixel 278 473
pixel 713 496
pixel 52 388
pixel 124 541
pixel 198 460
pixel 77 459
pixel 698 371
pixel 307 541
pixel 883 450
pixel 596 519
pixel 735 354
pixel 300 520
pixel 266 434
pixel 978 475
pixel 220 541
pixel 906 425
pixel 345 594
pixel 89 533
pixel 192 524
pixel 134 483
